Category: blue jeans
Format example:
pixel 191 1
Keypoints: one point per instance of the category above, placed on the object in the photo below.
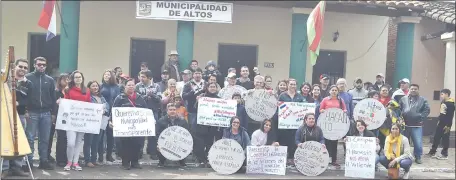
pixel 404 163
pixel 415 134
pixel 18 162
pixel 192 120
pixel 41 123
pixel 90 148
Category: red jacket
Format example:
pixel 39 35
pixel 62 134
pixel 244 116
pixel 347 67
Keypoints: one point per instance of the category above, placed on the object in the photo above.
pixel 75 94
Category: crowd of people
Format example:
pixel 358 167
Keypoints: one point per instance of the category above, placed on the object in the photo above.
pixel 174 102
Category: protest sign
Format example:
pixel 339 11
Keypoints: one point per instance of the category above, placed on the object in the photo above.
pixel 311 158
pixel 131 122
pixel 334 123
pixel 371 111
pixel 227 92
pixel 226 156
pixel 215 12
pixel 291 114
pixel 260 105
pixel 215 112
pixel 175 143
pixel 104 122
pixel 360 157
pixel 79 116
pixel 266 160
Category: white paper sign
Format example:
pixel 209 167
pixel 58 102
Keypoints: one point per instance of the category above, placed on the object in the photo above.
pixel 291 114
pixel 371 111
pixel 175 143
pixel 104 122
pixel 131 122
pixel 215 12
pixel 79 116
pixel 360 157
pixel 215 112
pixel 266 160
pixel 260 105
pixel 227 92
pixel 334 123
pixel 311 159
pixel 226 156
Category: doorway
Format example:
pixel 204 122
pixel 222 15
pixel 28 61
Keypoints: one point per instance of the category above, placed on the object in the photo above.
pixel 331 63
pixel 151 51
pixel 236 56
pixel 37 46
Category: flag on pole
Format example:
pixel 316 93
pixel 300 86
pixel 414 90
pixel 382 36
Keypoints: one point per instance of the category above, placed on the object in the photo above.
pixel 48 19
pixel 315 30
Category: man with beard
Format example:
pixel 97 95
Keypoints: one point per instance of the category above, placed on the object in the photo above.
pixel 172 66
pixel 164 82
pixel 358 93
pixel 244 80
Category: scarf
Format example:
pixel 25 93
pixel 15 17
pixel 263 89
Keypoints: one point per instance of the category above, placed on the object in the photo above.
pixel 132 99
pixel 394 140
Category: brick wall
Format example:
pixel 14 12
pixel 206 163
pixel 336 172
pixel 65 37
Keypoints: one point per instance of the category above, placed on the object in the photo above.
pixel 391 53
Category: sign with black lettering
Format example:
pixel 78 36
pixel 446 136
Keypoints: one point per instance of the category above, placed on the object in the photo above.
pixel 260 105
pixel 79 116
pixel 206 11
pixel 311 158
pixel 132 121
pixel 226 156
pixel 266 160
pixel 334 123
pixel 371 111
pixel 360 157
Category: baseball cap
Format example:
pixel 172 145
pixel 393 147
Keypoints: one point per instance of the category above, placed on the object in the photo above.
pixel 358 80
pixel 405 80
pixel 165 71
pixel 324 76
pixel 231 75
pixel 186 71
pixel 380 74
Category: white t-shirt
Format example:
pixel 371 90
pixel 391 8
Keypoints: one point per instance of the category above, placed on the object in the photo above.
pixel 259 138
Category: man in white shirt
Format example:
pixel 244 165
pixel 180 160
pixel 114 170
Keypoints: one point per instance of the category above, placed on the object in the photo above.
pixel 186 76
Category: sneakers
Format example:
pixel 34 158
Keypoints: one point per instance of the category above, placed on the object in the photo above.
pixel 161 164
pixel 67 167
pixel 46 166
pixel 406 175
pixel 418 161
pixel 432 155
pixel 77 167
pixel 442 157
pixel 51 159
pixel 110 159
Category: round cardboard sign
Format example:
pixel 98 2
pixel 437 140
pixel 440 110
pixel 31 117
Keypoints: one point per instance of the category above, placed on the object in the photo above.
pixel 334 123
pixel 260 105
pixel 175 143
pixel 311 158
pixel 227 92
pixel 226 156
pixel 371 111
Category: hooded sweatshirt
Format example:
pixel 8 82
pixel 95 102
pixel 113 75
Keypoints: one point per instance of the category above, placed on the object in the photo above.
pixel 242 137
pixel 446 112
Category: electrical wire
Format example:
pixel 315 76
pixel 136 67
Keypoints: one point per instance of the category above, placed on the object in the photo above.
pixel 386 25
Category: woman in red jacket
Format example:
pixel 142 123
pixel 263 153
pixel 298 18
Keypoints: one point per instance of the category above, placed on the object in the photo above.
pixel 76 91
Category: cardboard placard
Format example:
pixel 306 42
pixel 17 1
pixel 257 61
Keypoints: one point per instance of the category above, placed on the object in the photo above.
pixel 260 105
pixel 266 160
pixel 311 159
pixel 227 92
pixel 132 122
pixel 371 111
pixel 291 114
pixel 215 112
pixel 226 156
pixel 79 116
pixel 360 157
pixel 334 123
pixel 175 143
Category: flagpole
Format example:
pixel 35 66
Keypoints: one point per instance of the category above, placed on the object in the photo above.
pixel 61 19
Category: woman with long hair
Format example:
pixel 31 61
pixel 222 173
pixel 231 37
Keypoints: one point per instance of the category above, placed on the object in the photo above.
pixel 61 144
pixel 305 91
pixel 263 136
pixel 332 101
pixel 109 90
pixel 79 92
pixel 92 141
pixel 361 131
pixel 281 87
pixel 237 133
pixel 309 131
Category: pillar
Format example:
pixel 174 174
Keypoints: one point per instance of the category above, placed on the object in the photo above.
pixel 185 43
pixel 449 78
pixel 299 44
pixel 404 47
pixel 69 36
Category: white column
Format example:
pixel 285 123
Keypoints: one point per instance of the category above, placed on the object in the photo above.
pixel 449 79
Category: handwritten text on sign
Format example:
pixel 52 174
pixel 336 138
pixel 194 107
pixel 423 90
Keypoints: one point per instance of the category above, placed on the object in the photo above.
pixel 311 158
pixel 360 157
pixel 266 159
pixel 226 156
pixel 129 122
pixel 291 114
pixel 227 92
pixel 79 116
pixel 185 11
pixel 260 105
pixel 215 112
pixel 371 111
pixel 334 123
pixel 175 143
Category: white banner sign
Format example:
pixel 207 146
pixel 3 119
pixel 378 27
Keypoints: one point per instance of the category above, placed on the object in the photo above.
pixel 266 159
pixel 227 92
pixel 79 116
pixel 291 114
pixel 130 122
pixel 175 143
pixel 360 157
pixel 226 156
pixel 334 123
pixel 215 112
pixel 260 105
pixel 207 11
pixel 371 111
pixel 311 158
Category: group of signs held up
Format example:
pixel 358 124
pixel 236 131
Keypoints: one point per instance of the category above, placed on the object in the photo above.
pixel 227 156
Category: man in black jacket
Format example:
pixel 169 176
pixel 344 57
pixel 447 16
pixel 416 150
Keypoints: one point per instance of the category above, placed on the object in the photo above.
pixel 171 119
pixel 192 89
pixel 40 103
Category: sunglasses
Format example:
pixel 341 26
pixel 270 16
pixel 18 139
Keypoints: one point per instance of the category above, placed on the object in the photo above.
pixel 23 67
pixel 41 65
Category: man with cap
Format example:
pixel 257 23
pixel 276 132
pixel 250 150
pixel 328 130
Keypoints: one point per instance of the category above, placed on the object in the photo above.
pixel 358 93
pixel 324 85
pixel 164 82
pixel 172 65
pixel 379 81
pixel 186 76
pixel 403 86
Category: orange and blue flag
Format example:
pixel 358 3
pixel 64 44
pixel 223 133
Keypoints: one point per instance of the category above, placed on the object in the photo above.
pixel 48 19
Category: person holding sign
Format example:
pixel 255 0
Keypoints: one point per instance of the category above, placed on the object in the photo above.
pixel 263 136
pixel 91 141
pixel 61 143
pixel 361 131
pixel 286 135
pixel 397 153
pixel 309 131
pixel 76 91
pixel 332 101
pixel 237 133
pixel 130 145
pixel 171 119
